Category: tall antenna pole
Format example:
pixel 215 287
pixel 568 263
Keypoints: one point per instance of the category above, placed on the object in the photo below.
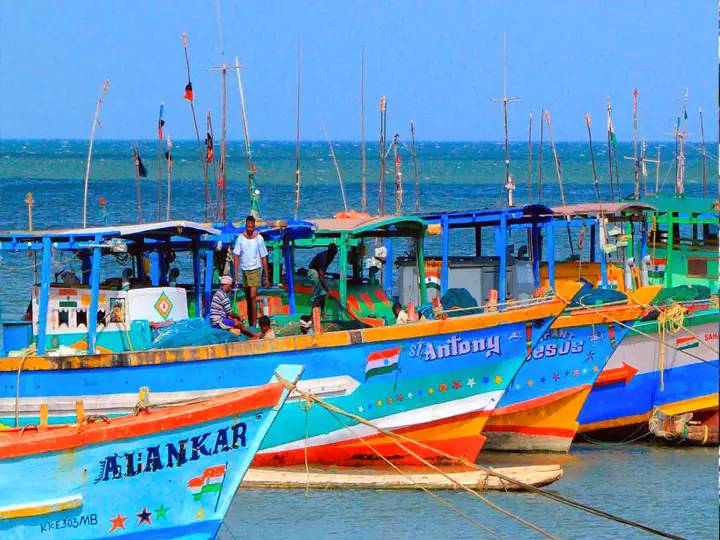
pixel 252 189
pixel 540 155
pixel 381 187
pixel 168 156
pixel 222 181
pixel 138 192
pixel 636 168
pixel 704 155
pixel 657 172
pixel 190 97
pixel 596 184
pixel 612 152
pixel 529 183
pixel 509 185
pixel 398 177
pixel 559 177
pixel 297 135
pixel 337 168
pixel 680 188
pixel 415 167
pixel 643 165
pixel 363 155
pixel 95 122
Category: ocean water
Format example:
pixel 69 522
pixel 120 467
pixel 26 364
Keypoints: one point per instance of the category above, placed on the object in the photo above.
pixel 670 489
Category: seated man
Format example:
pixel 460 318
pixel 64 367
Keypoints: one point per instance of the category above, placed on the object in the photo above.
pixel 306 325
pixel 401 316
pixel 316 272
pixel 221 313
pixel 266 329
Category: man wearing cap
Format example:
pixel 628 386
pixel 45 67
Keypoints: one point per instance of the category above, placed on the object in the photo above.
pixel 221 313
pixel 250 254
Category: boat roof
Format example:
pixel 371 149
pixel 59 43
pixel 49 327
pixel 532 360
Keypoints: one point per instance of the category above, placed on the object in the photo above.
pixel 608 208
pixel 160 231
pixel 272 230
pixel 683 204
pixel 378 227
pixel 491 216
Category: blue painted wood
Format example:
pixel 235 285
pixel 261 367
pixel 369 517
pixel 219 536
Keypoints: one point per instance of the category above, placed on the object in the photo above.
pixel 289 275
pixel 94 297
pixel 197 279
pixel 502 249
pixel 445 250
pixel 44 295
pixel 550 239
pixel 207 289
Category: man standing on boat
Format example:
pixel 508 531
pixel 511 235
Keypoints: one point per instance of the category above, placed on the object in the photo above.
pixel 316 272
pixel 251 255
pixel 221 313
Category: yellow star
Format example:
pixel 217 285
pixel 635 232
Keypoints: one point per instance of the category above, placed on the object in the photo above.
pixel 200 513
pixel 498 379
pixel 379 403
pixel 431 390
pixel 530 382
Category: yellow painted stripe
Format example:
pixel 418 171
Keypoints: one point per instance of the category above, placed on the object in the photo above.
pixel 40 508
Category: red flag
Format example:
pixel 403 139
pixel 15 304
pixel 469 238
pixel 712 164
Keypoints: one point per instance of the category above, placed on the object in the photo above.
pixel 188 91
pixel 210 152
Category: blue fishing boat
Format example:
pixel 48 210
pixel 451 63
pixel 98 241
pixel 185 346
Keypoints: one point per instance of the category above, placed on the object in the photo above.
pixel 167 473
pixel 439 382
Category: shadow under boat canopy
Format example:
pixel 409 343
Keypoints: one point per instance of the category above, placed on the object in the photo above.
pixel 532 216
pixel 148 242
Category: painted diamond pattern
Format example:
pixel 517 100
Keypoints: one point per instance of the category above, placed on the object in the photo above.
pixel 163 306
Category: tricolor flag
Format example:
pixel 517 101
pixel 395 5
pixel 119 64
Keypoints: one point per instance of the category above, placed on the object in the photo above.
pixel 687 342
pixel 432 279
pixel 161 122
pixel 210 481
pixel 381 362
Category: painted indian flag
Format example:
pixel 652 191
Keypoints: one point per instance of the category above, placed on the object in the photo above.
pixel 381 362
pixel 687 342
pixel 432 278
pixel 210 481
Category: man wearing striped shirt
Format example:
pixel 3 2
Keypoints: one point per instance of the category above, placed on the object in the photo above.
pixel 221 314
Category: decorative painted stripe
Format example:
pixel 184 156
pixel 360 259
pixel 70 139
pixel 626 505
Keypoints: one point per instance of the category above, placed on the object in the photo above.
pixel 41 508
pixel 540 401
pixel 177 417
pixel 563 433
pixel 483 403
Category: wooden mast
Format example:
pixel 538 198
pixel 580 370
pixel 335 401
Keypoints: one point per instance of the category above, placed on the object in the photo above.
pixel 381 187
pixel 704 155
pixel 223 147
pixel 596 184
pixel 297 135
pixel 636 163
pixel 398 176
pixel 168 156
pixel 509 185
pixel 529 180
pixel 190 97
pixel 95 122
pixel 252 188
pixel 540 155
pixel 559 177
pixel 363 150
pixel 337 168
pixel 415 167
pixel 138 192
pixel 161 123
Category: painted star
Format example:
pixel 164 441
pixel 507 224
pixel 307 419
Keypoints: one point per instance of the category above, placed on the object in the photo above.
pixel 470 382
pixel 556 377
pixel 498 379
pixel 389 400
pixel 543 379
pixel 595 368
pixel 567 372
pixel 584 371
pixel 399 397
pixel 443 387
pixel 419 392
pixel 369 406
pixel 360 408
pixel 200 514
pixel 379 403
pixel 144 517
pixel 485 380
pixel 457 385
pixel 576 372
pixel 517 387
pixel 161 513
pixel 530 382
pixel 118 522
pixel 409 395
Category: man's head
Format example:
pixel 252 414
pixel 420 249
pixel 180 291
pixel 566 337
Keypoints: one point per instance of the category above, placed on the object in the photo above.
pixel 226 283
pixel 249 225
pixel 264 323
pixel 397 308
pixel 332 249
pixel 305 324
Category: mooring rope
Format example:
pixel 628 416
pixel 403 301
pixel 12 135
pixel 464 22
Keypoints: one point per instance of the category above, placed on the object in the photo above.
pixel 553 496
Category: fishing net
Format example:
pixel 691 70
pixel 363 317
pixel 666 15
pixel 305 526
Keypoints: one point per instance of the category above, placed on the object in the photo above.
pixel 190 333
pixel 461 300
pixel 682 293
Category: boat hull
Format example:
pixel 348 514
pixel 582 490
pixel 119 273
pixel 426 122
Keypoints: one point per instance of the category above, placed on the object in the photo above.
pixel 162 474
pixel 621 408
pixel 539 411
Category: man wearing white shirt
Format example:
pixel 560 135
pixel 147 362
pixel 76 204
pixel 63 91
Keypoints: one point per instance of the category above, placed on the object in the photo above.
pixel 250 254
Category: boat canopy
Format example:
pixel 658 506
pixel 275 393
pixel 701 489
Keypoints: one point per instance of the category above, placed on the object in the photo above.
pixel 374 227
pixel 602 209
pixel 478 218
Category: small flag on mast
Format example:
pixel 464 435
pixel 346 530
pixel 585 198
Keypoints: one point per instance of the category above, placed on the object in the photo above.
pixel 189 91
pixel 141 170
pixel 161 122
pixel 210 152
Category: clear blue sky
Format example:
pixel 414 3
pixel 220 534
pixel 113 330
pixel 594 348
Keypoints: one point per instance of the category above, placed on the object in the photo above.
pixel 439 63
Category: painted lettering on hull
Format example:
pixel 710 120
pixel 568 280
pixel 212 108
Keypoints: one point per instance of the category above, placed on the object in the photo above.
pixel 455 346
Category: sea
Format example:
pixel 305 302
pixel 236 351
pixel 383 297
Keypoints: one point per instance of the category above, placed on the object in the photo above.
pixel 671 489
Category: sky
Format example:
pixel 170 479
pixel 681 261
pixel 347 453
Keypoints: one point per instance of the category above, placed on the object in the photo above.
pixel 440 63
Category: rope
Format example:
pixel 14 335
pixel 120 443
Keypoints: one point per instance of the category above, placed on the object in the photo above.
pixel 670 321
pixel 548 494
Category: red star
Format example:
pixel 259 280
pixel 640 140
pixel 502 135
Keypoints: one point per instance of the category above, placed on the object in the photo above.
pixel 389 400
pixel 443 387
pixel 456 385
pixel 576 372
pixel 118 522
pixel 144 517
pixel 399 397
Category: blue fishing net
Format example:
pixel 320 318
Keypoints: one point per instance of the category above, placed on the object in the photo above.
pixel 459 299
pixel 192 332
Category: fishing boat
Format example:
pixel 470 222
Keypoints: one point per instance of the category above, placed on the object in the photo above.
pixel 669 360
pixel 437 381
pixel 162 473
pixel 539 410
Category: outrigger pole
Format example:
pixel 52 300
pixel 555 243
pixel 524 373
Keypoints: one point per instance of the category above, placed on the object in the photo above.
pixel 381 187
pixel 297 134
pixel 337 167
pixel 529 183
pixel 415 167
pixel 560 182
pixel 540 156
pixel 252 188
pixel 168 157
pixel 363 151
pixel 96 121
pixel 221 183
pixel 588 121
pixel 190 97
